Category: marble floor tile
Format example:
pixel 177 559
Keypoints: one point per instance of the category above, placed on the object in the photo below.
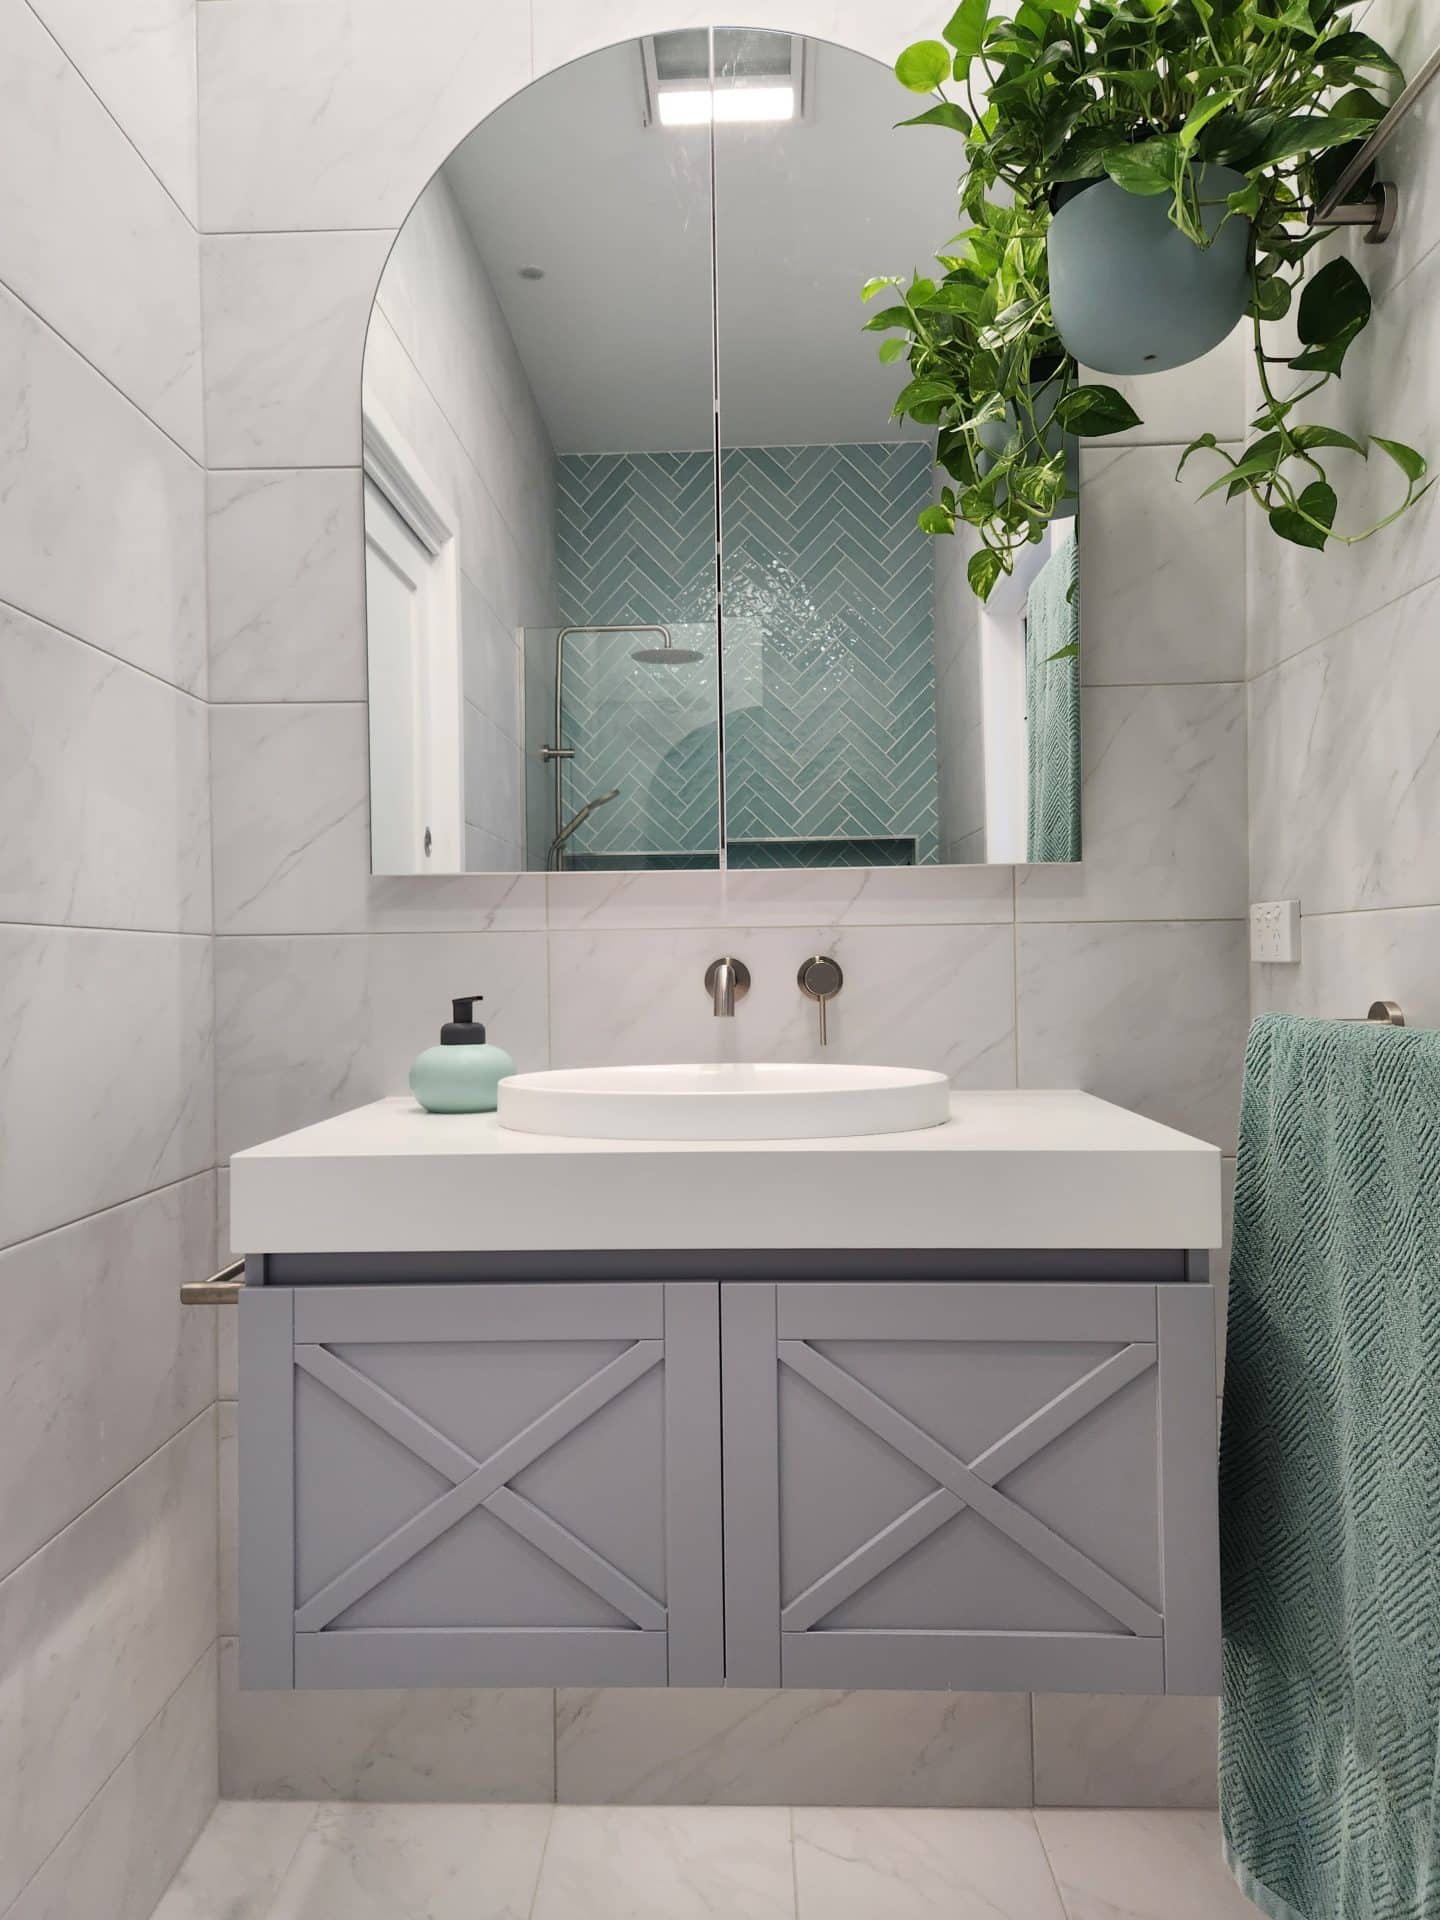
pixel 414 1863
pixel 667 1863
pixel 921 1864
pixel 1141 1866
pixel 235 1868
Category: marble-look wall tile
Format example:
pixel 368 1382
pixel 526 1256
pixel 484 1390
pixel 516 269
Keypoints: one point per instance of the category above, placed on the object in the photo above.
pixel 1392 387
pixel 939 997
pixel 912 1864
pixel 1207 396
pixel 1149 1014
pixel 140 59
pixel 123 284
pixel 227 1430
pixel 108 768
pixel 107 1037
pixel 1162 572
pixel 235 1868
pixel 99 1363
pixel 562 31
pixel 360 104
pixel 1163 810
pixel 97 1631
pixel 1348 960
pixel 1124 1750
pixel 101 516
pixel 118 1857
pixel 285 317
pixel 1345 775
pixel 687 1746
pixel 311 1025
pixel 654 1863
pixel 286 585
pixel 830 896
pixel 427 1744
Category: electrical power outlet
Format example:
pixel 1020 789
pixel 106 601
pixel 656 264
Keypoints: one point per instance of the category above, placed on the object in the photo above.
pixel 1275 931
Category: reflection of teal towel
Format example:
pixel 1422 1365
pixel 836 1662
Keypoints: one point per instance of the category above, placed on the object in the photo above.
pixel 1052 708
pixel 1330 1477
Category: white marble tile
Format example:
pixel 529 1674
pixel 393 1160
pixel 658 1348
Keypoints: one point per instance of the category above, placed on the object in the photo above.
pixel 832 896
pixel 1207 396
pixel 101 517
pixel 1391 387
pixel 428 1744
pixel 492 661
pixel 235 1867
pixel 108 1037
pixel 140 59
pixel 737 1746
pixel 1162 572
pixel 433 1863
pixel 227 1426
pixel 360 103
pixel 920 996
pixel 1163 811
pixel 116 1859
pixel 285 317
pixel 667 1863
pixel 308 1026
pixel 563 31
pixel 926 1864
pixel 1141 1866
pixel 494 783
pixel 97 1630
pixel 1151 1015
pixel 286 585
pixel 99 1363
pixel 1348 960
pixel 1345 772
pixel 123 283
pixel 1124 1750
pixel 109 769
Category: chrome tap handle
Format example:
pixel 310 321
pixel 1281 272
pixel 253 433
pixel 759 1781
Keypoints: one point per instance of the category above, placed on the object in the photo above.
pixel 820 979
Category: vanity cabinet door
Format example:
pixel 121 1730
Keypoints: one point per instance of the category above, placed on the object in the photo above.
pixel 480 1486
pixel 976 1487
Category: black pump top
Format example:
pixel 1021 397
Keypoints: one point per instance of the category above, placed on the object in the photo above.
pixel 464 1030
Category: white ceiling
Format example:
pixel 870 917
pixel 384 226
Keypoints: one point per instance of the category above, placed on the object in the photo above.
pixel 616 337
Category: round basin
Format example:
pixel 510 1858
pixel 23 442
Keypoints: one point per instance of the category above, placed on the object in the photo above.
pixel 724 1102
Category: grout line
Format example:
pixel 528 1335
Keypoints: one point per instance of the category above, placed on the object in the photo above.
pixel 540 1866
pixel 1050 1867
pixel 128 1754
pixel 27 613
pixel 81 926
pixel 108 379
pixel 794 1863
pixel 297 233
pixel 97 1213
pixel 1348 630
pixel 124 131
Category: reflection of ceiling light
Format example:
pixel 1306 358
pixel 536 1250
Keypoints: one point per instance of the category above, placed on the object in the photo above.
pixel 694 106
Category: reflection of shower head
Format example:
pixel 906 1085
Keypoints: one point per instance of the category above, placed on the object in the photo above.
pixel 579 819
pixel 668 655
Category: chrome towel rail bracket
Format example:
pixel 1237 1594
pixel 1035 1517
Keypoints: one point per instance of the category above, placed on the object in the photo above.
pixel 222 1289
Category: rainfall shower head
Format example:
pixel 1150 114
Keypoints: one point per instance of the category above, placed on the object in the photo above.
pixel 668 655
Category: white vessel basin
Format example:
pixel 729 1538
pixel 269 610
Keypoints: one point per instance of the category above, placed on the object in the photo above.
pixel 724 1102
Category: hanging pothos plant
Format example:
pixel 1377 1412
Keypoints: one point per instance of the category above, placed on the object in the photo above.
pixel 1152 95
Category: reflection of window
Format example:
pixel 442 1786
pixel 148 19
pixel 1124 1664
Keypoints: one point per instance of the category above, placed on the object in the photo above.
pixel 756 77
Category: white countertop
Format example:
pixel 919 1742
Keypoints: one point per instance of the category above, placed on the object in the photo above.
pixel 1010 1169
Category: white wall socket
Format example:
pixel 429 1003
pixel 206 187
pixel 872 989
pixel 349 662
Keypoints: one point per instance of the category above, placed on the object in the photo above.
pixel 1275 931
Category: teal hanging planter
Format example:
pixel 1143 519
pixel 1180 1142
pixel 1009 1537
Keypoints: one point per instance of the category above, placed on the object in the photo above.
pixel 1129 291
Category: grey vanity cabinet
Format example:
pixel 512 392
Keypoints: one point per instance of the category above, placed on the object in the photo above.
pixel 757 1483
pixel 970 1487
pixel 480 1485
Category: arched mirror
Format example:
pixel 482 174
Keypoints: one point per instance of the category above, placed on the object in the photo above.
pixel 645 587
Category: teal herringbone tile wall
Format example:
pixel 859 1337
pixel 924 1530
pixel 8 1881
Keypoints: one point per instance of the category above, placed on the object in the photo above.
pixel 829 656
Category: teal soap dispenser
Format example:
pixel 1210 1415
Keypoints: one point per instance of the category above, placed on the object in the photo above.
pixel 462 1074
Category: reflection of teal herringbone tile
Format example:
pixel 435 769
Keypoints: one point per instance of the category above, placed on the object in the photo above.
pixel 829 655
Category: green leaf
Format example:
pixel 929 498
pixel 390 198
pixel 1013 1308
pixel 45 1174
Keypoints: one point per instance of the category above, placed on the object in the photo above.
pixel 1072 652
pixel 1319 503
pixel 1201 115
pixel 1207 443
pixel 1095 411
pixel 936 520
pixel 1329 358
pixel 1309 438
pixel 1271 298
pixel 929 388
pixel 1247 201
pixel 983 570
pixel 893 350
pixel 1413 465
pixel 1297 134
pixel 889 317
pixel 946 114
pixel 1336 301
pixel 923 67
pixel 965 29
pixel 872 287
pixel 1357 50
pixel 1151 167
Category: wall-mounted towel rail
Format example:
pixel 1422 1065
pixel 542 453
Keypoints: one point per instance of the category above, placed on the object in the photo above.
pixel 1380 208
pixel 1383 1013
pixel 222 1289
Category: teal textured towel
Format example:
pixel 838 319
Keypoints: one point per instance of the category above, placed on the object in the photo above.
pixel 1052 708
pixel 1330 1477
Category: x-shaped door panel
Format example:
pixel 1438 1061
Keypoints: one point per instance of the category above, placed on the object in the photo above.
pixel 480 1483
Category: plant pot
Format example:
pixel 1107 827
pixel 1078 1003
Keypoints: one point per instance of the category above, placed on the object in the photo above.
pixel 994 436
pixel 1129 292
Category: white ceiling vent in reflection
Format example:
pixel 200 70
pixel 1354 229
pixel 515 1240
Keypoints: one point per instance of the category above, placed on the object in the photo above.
pixel 757 77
